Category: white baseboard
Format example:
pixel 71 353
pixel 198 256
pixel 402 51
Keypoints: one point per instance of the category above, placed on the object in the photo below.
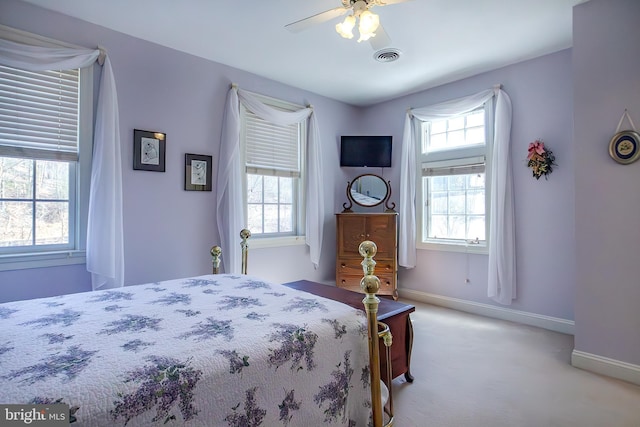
pixel 546 322
pixel 579 359
pixel 605 366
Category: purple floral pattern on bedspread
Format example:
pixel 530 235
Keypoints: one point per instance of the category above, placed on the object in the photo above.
pixel 6 312
pixel 66 318
pixel 161 385
pixel 214 350
pixel 68 364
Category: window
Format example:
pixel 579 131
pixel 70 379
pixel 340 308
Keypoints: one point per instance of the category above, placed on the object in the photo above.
pixel 453 181
pixel 45 159
pixel 274 170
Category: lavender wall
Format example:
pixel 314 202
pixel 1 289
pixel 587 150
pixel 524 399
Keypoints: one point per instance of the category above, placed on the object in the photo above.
pixel 169 231
pixel 43 282
pixel 540 90
pixel 606 60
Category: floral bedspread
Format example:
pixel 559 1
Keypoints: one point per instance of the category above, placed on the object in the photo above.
pixel 214 350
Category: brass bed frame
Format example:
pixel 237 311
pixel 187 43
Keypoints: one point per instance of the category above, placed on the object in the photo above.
pixel 381 407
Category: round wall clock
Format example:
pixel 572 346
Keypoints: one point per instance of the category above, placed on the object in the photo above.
pixel 624 147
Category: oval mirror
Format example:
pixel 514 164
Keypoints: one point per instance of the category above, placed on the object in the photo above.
pixel 368 190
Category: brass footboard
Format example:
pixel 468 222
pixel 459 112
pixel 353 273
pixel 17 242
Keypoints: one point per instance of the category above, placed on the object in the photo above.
pixel 216 253
pixel 370 284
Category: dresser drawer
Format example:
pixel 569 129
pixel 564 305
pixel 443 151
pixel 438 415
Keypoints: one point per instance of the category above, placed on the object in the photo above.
pixel 352 283
pixel 353 266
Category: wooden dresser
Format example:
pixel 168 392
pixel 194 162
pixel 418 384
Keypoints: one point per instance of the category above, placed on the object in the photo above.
pixel 382 229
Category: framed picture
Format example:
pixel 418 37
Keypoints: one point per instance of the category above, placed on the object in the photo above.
pixel 149 150
pixel 197 172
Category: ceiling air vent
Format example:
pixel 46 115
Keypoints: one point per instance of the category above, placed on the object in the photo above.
pixel 387 55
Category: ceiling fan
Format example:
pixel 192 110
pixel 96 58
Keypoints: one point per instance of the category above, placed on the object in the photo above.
pixel 369 23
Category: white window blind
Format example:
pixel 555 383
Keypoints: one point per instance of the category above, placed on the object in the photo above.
pixel 39 114
pixel 454 167
pixel 271 149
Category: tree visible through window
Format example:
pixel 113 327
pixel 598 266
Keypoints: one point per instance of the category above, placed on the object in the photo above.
pixel 270 204
pixel 34 202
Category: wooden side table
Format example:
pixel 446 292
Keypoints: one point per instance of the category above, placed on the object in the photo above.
pixel 395 314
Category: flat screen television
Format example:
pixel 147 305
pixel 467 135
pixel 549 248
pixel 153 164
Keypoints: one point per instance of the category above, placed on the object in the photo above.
pixel 365 151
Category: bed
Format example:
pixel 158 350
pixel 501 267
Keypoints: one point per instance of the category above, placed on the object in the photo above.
pixel 212 350
pixel 363 199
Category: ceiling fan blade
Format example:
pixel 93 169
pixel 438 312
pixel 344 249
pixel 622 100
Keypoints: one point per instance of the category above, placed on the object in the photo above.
pixel 388 2
pixel 303 24
pixel 381 39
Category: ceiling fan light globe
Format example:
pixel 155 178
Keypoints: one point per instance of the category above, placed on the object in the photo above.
pixel 369 22
pixel 345 28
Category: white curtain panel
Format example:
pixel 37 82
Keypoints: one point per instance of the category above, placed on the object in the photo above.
pixel 407 208
pixel 502 238
pixel 230 198
pixel 502 265
pixel 229 203
pixel 105 247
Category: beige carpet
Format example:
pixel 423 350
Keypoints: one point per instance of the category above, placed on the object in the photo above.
pixel 472 371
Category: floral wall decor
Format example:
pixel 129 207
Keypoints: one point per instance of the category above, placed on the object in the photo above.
pixel 540 159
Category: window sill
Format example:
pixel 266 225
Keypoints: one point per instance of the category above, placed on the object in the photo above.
pixel 40 260
pixel 453 247
pixel 275 242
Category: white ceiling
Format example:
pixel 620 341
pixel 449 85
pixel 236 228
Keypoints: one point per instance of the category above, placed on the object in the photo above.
pixel 440 40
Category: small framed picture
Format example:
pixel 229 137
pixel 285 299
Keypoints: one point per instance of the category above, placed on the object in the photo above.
pixel 197 172
pixel 149 150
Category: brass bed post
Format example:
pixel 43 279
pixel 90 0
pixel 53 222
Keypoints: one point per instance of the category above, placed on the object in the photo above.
pixel 370 284
pixel 216 252
pixel 387 338
pixel 244 235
